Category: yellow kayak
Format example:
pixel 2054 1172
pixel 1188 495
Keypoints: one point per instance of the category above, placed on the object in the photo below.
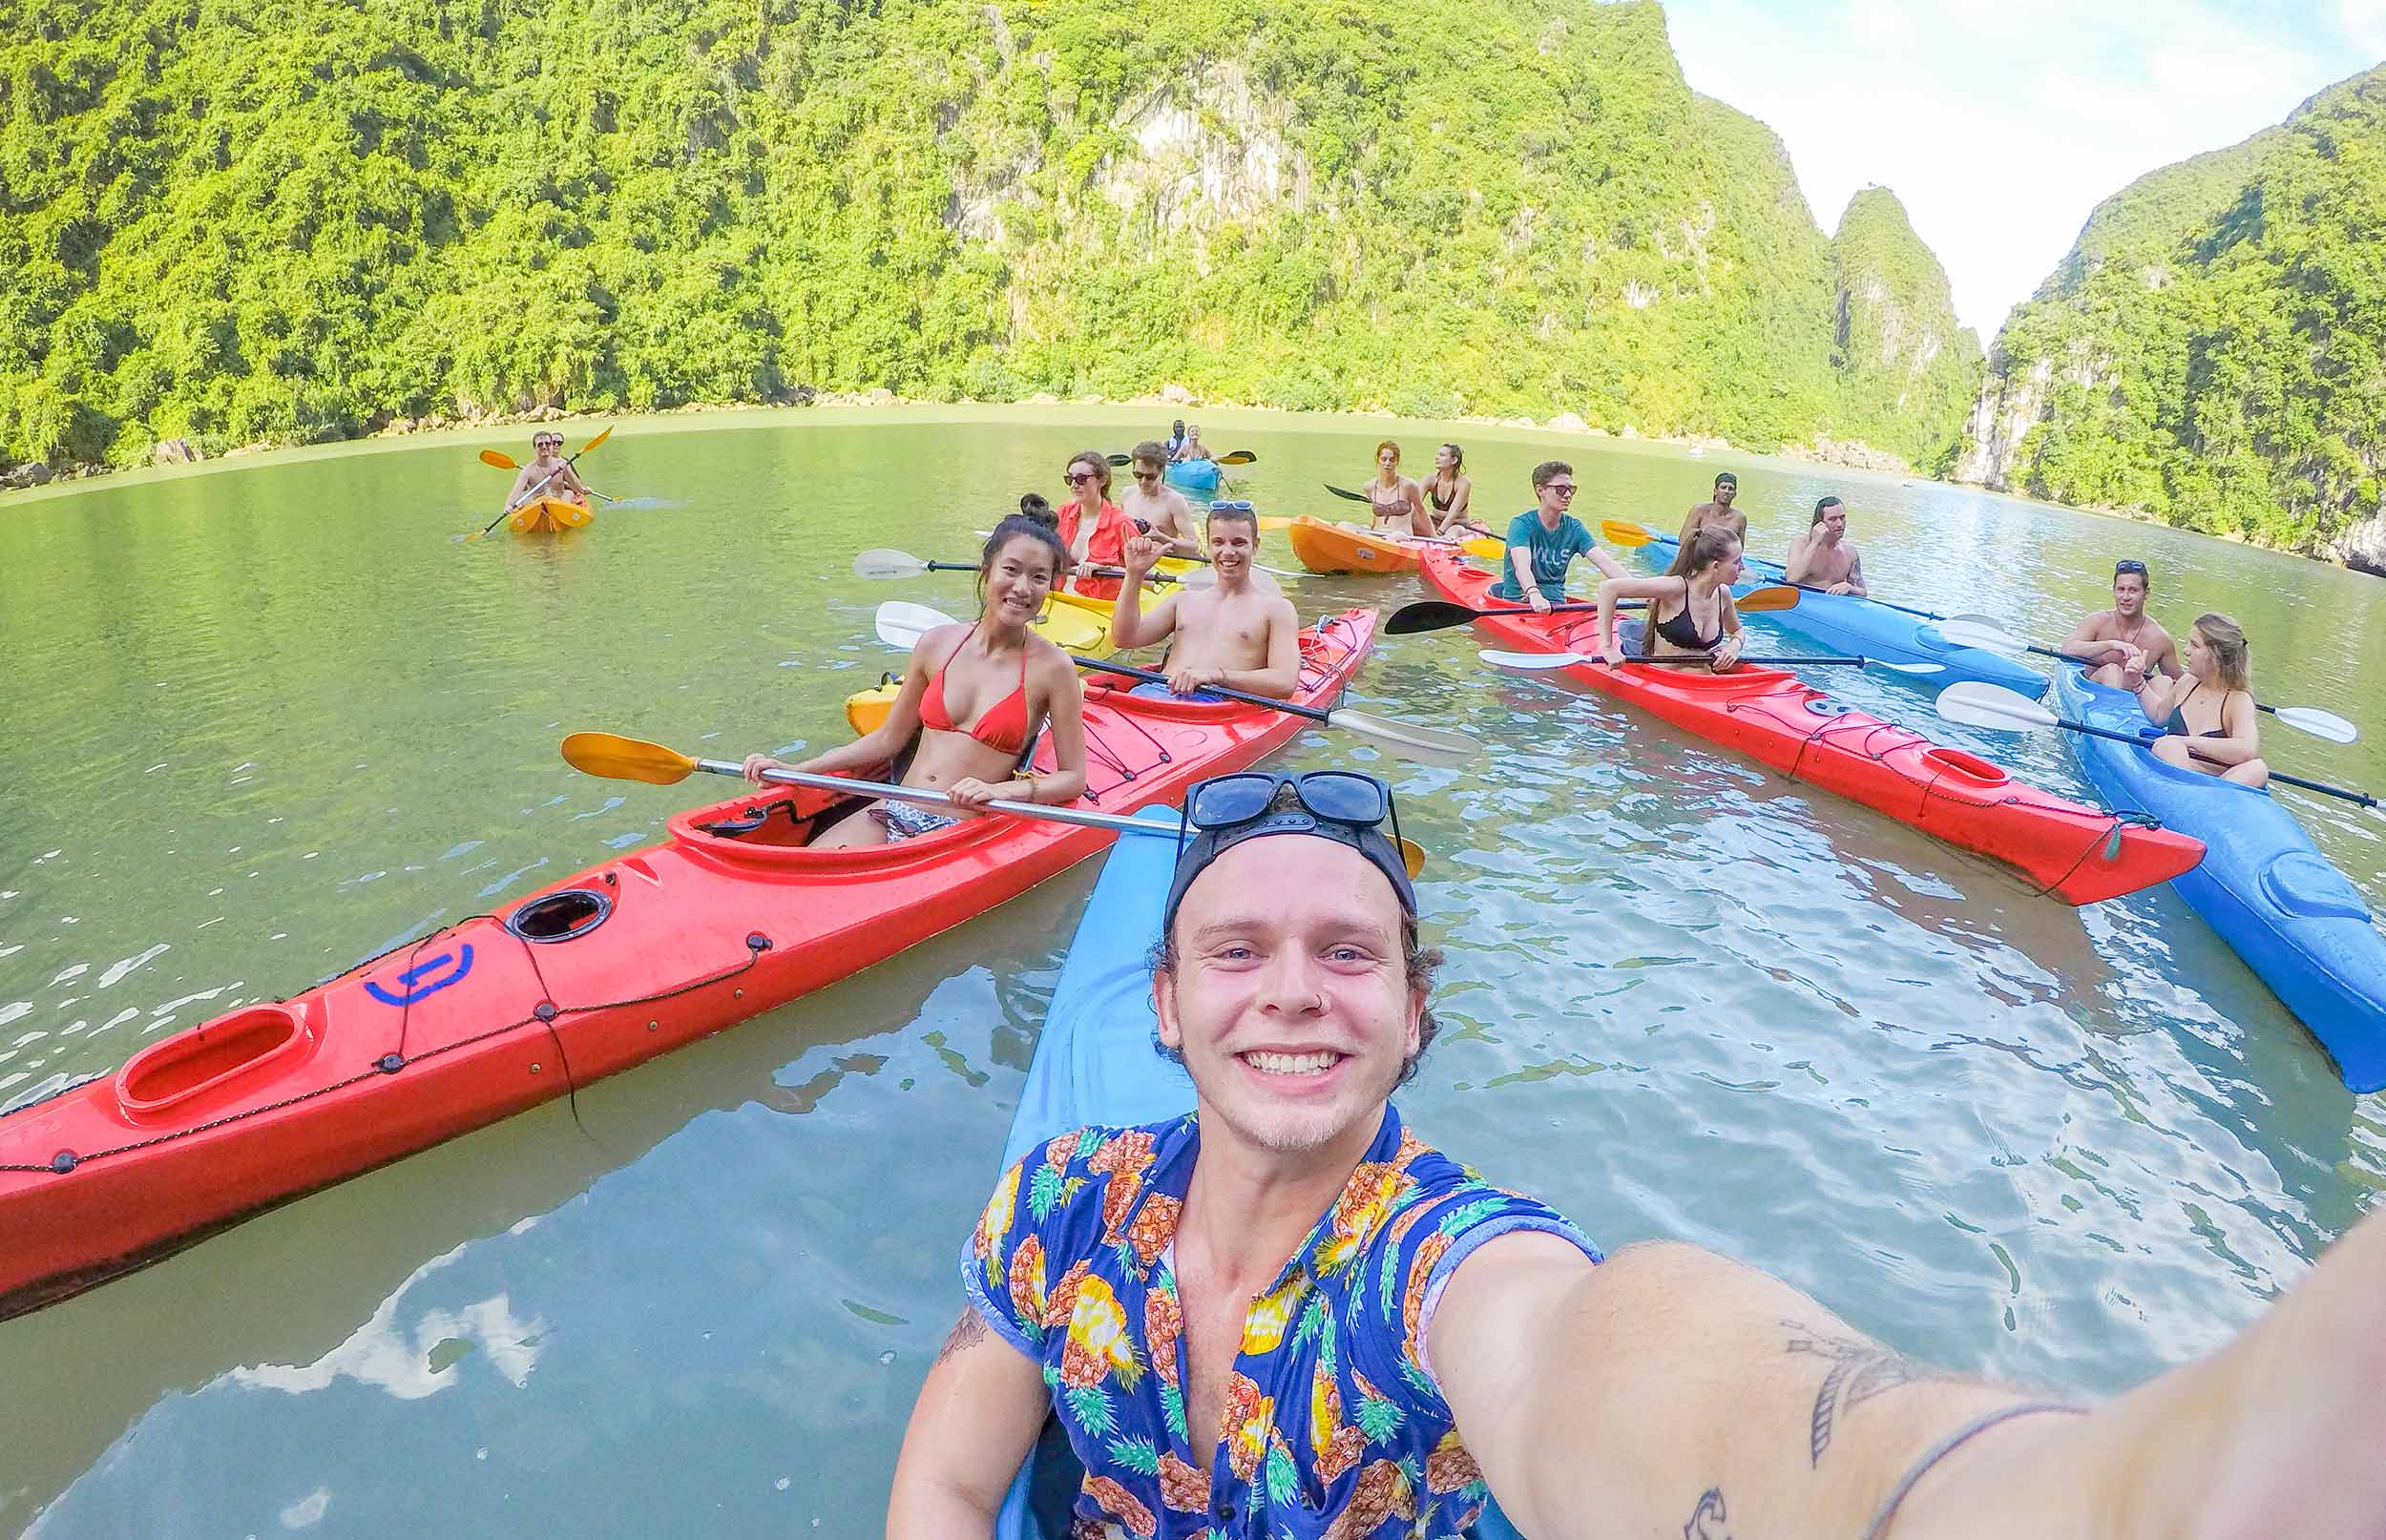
pixel 549 515
pixel 1071 622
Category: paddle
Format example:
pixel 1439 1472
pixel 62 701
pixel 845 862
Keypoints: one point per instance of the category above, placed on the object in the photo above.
pixel 1977 704
pixel 1441 614
pixel 1633 537
pixel 1232 457
pixel 490 457
pixel 1965 632
pixel 615 757
pixel 1560 660
pixel 534 490
pixel 882 563
pixel 900 626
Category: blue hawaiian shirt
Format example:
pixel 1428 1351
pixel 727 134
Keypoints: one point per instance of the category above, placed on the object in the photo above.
pixel 1334 1428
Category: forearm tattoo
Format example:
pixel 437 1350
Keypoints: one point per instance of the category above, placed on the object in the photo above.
pixel 964 1334
pixel 1859 1370
pixel 1706 1520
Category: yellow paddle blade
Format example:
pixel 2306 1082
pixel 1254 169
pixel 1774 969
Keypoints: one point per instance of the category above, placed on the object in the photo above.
pixel 1618 532
pixel 615 757
pixel 1413 856
pixel 1271 522
pixel 1773 597
pixel 593 443
pixel 490 457
pixel 1485 548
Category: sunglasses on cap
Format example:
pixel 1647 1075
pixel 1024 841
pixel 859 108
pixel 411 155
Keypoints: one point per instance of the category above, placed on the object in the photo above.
pixel 2129 566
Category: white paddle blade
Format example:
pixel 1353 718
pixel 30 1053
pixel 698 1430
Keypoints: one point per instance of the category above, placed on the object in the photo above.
pixel 1920 671
pixel 1532 660
pixel 1425 745
pixel 901 625
pixel 1978 704
pixel 883 562
pixel 1971 631
pixel 2320 723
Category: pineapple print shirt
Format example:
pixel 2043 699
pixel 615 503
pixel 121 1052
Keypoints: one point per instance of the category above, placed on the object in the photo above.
pixel 1334 1427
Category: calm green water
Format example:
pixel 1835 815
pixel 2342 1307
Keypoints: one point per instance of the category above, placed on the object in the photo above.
pixel 263 722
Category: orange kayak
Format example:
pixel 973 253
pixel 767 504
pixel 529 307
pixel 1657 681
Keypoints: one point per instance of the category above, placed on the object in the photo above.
pixel 549 515
pixel 728 917
pixel 1339 547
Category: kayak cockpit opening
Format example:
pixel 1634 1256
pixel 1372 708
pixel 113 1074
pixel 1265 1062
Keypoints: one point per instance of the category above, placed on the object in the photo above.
pixel 561 916
pixel 208 1059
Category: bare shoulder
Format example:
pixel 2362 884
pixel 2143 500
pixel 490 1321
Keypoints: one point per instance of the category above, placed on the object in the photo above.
pixel 1047 664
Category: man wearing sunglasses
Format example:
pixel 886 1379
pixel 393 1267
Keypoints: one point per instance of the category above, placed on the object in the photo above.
pixel 1286 1314
pixel 1159 508
pixel 1239 633
pixel 547 475
pixel 2123 645
pixel 1544 541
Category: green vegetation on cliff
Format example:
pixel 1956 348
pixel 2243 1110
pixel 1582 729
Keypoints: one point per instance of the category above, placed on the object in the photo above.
pixel 233 220
pixel 2213 351
pixel 1911 369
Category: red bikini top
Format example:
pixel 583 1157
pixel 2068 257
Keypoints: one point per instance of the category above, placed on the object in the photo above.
pixel 1002 728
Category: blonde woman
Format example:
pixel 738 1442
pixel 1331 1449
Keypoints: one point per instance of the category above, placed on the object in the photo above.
pixel 2206 714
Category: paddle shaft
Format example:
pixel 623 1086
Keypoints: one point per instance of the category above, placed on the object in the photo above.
pixel 2090 662
pixel 2148 744
pixel 929 798
pixel 1148 676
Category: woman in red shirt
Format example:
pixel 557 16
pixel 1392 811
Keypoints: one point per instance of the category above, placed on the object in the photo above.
pixel 1100 541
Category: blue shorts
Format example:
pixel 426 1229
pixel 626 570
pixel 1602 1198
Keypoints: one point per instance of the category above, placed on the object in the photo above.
pixel 1154 690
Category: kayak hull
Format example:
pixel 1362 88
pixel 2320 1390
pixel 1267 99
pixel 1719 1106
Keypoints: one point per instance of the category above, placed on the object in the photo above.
pixel 2302 928
pixel 1338 548
pixel 1194 475
pixel 1071 622
pixel 1844 624
pixel 1095 1064
pixel 2065 849
pixel 728 917
pixel 549 515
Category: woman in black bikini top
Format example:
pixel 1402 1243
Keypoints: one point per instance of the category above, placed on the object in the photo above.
pixel 2215 661
pixel 1450 492
pixel 1699 581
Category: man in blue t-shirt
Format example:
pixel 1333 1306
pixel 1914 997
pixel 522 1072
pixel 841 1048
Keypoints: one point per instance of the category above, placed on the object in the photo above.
pixel 1544 541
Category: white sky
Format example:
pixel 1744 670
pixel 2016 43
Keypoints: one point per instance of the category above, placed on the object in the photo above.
pixel 2001 123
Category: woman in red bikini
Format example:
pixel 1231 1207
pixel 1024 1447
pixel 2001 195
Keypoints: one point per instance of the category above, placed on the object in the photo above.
pixel 974 694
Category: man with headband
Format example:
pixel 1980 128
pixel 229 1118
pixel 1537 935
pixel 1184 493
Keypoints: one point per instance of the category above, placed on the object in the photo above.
pixel 1717 511
pixel 1284 1314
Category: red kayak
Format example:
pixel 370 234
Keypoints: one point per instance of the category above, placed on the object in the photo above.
pixel 727 918
pixel 2073 851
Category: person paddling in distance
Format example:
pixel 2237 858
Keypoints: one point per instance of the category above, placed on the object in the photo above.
pixel 1159 508
pixel 1544 541
pixel 1395 504
pixel 1286 1314
pixel 974 694
pixel 1717 510
pixel 1096 538
pixel 2111 640
pixel 547 475
pixel 1824 557
pixel 2206 713
pixel 1235 634
pixel 1192 448
pixel 1689 607
pixel 1450 491
pixel 1176 440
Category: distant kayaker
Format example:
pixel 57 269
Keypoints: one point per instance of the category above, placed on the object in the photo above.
pixel 2206 713
pixel 1824 557
pixel 2113 641
pixel 1098 539
pixel 1177 438
pixel 1158 507
pixel 547 475
pixel 1191 446
pixel 1689 608
pixel 1395 504
pixel 1450 492
pixel 1286 1314
pixel 1235 634
pixel 1717 510
pixel 1544 541
pixel 995 676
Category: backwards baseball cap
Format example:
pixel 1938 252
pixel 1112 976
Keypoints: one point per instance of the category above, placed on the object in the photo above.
pixel 1341 806
pixel 1721 477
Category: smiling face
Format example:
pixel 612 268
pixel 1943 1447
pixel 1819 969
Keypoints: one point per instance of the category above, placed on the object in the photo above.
pixel 2128 595
pixel 1016 580
pixel 1233 544
pixel 1290 999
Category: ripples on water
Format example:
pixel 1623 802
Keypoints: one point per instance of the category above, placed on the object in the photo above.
pixel 265 723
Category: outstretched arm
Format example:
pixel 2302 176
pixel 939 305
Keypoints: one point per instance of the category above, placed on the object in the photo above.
pixel 975 1420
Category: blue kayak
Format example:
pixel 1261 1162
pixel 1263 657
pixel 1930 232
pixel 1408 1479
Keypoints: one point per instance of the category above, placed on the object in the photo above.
pixel 1843 623
pixel 2293 918
pixel 1194 475
pixel 1095 1063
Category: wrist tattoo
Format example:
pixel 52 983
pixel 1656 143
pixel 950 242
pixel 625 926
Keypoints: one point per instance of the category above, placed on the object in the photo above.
pixel 1860 1369
pixel 964 1334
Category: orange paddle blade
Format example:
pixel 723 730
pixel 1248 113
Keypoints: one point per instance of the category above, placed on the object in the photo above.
pixel 1772 596
pixel 1620 533
pixel 615 757
pixel 490 457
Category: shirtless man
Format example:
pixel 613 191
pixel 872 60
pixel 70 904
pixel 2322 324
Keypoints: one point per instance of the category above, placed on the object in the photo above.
pixel 1824 557
pixel 1234 635
pixel 1160 507
pixel 2124 636
pixel 1193 449
pixel 1719 511
pixel 547 475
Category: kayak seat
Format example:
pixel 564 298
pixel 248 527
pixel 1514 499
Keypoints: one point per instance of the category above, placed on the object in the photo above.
pixel 2302 883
